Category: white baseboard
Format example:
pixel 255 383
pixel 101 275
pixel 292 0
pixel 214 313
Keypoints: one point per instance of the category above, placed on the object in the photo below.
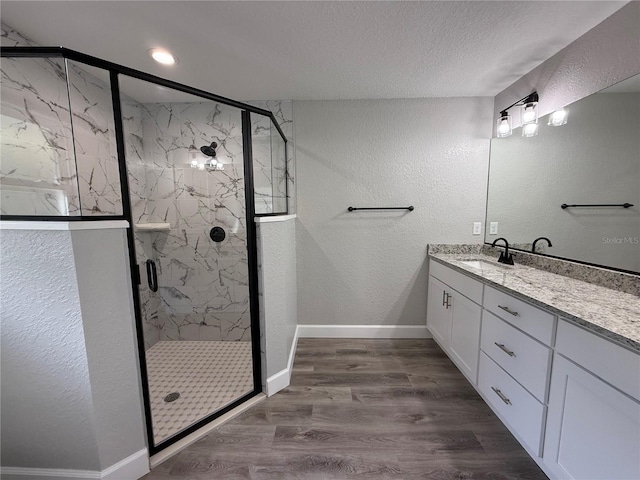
pixel 131 468
pixel 277 382
pixel 363 331
pixel 281 380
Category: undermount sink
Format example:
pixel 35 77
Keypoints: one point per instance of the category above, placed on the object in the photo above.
pixel 483 265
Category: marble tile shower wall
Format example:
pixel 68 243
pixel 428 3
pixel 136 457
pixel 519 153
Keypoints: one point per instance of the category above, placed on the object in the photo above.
pixel 58 138
pixel 132 113
pixel 38 171
pixel 262 171
pixel 203 286
pixel 94 141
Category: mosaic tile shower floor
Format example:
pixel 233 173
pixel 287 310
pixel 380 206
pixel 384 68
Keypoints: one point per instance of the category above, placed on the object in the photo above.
pixel 208 376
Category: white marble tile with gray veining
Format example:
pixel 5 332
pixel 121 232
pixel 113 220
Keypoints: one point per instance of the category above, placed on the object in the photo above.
pixel 38 171
pixel 203 284
pixel 11 38
pixel 94 141
pixel 612 314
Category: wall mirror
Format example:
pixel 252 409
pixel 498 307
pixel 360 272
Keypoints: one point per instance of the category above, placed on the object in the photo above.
pixel 593 159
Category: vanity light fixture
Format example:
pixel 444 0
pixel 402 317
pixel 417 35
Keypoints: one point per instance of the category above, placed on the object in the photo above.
pixel 530 130
pixel 165 57
pixel 504 125
pixel 529 117
pixel 530 109
pixel 558 118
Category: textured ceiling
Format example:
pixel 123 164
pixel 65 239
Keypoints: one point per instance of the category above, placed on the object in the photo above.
pixel 319 50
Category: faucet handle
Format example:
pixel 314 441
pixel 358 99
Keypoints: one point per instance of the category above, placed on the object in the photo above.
pixel 508 260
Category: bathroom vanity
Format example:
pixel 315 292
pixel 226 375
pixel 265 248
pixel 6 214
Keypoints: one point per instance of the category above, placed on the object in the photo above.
pixel 557 359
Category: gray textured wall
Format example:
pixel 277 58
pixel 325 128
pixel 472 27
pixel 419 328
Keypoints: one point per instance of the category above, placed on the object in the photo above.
pixel 70 390
pixel 369 268
pixel 104 282
pixel 278 292
pixel 47 410
pixel 604 55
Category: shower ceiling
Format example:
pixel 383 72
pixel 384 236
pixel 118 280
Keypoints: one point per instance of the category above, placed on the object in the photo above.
pixel 319 50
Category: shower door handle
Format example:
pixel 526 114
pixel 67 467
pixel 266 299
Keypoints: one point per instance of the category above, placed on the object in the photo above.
pixel 152 276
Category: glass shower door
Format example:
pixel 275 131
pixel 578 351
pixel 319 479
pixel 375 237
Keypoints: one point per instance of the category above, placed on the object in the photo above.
pixel 185 164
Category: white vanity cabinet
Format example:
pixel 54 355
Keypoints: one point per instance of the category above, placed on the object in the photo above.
pixel 438 314
pixel 515 361
pixel 453 317
pixel 570 396
pixel 593 424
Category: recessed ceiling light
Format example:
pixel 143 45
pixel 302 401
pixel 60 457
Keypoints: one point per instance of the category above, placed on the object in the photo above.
pixel 163 56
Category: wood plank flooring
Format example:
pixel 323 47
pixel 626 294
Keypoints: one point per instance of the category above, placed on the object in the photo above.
pixel 362 409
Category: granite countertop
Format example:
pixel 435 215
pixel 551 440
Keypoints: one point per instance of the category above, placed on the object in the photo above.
pixel 612 314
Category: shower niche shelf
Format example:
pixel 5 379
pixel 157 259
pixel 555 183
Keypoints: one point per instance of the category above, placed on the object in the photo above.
pixel 153 227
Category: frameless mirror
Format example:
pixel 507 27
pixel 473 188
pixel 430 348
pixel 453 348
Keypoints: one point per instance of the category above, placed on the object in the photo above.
pixel 577 184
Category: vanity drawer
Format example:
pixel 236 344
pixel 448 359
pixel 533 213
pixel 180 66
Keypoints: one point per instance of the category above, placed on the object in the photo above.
pixel 535 322
pixel 612 363
pixel 524 358
pixel 523 414
pixel 470 288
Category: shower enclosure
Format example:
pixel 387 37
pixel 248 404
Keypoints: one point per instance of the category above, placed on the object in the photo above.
pixel 85 139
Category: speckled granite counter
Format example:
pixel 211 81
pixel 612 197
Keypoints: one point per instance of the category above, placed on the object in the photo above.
pixel 612 314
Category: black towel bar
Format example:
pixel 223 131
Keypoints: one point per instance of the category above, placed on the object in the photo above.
pixel 623 205
pixel 410 208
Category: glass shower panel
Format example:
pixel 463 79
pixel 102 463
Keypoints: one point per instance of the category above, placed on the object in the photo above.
pixel 38 166
pixel 262 169
pixel 186 173
pixel 94 140
pixel 278 171
pixel 269 166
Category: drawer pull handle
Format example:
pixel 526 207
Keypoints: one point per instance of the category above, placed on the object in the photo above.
pixel 504 349
pixel 509 311
pixel 448 299
pixel 444 294
pixel 501 395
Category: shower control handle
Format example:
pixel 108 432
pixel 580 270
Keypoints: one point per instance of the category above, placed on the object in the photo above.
pixel 152 275
pixel 217 234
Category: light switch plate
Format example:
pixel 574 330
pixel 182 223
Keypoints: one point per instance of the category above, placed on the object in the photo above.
pixel 493 228
pixel 477 228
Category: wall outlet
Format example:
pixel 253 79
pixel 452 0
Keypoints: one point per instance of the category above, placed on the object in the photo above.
pixel 477 228
pixel 493 228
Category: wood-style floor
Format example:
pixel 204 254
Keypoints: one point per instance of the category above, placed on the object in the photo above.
pixel 368 409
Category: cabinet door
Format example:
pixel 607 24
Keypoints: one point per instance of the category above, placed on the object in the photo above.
pixel 438 315
pixel 465 334
pixel 593 430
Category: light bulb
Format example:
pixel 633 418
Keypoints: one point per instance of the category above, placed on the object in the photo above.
pixel 530 130
pixel 504 125
pixel 194 163
pixel 529 114
pixel 558 118
pixel 163 56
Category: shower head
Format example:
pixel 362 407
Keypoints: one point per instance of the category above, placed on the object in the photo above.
pixel 209 150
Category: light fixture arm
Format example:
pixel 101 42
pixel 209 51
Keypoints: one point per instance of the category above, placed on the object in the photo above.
pixel 531 98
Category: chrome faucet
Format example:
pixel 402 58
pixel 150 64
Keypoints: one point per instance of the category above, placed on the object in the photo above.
pixel 533 246
pixel 505 257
